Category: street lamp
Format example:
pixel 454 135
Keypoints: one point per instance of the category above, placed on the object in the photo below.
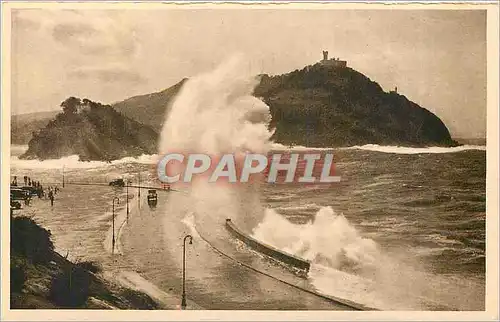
pixel 128 182
pixel 139 190
pixel 63 176
pixel 113 240
pixel 183 303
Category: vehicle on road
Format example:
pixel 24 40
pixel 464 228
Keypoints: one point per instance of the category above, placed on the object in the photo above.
pixel 152 198
pixel 18 193
pixel 117 183
pixel 14 204
pixel 30 191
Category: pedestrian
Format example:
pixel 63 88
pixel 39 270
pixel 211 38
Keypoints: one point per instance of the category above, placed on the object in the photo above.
pixel 25 180
pixel 51 197
pixel 27 198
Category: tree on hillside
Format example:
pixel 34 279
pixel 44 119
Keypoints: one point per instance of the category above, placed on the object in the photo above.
pixel 70 105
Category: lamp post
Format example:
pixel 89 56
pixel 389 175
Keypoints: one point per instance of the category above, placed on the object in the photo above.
pixel 183 303
pixel 63 176
pixel 139 190
pixel 128 182
pixel 113 240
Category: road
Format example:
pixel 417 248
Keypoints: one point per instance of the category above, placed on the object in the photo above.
pixel 152 241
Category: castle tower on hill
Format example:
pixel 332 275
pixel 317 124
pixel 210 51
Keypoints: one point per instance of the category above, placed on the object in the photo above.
pixel 333 62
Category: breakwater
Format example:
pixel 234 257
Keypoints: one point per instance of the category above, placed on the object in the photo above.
pixel 268 250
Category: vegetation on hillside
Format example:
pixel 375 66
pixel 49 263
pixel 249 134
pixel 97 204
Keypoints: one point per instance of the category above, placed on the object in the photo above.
pixel 327 106
pixel 93 131
pixel 150 108
pixel 322 106
pixel 318 106
pixel 23 125
pixel 40 278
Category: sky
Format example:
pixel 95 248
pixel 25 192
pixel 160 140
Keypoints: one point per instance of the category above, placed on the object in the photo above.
pixel 437 58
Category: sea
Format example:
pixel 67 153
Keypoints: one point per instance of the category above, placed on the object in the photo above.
pixel 404 229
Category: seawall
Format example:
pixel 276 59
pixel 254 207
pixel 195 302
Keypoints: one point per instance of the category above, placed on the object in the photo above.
pixel 268 250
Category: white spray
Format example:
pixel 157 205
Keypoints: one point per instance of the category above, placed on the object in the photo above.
pixel 215 113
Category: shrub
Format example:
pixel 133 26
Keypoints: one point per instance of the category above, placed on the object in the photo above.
pixel 70 288
pixel 30 240
pixel 139 300
pixel 90 266
pixel 17 276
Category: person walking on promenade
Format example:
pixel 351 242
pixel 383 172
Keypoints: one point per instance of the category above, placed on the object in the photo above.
pixel 51 197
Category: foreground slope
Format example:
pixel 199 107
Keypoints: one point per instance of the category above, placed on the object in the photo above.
pixel 40 278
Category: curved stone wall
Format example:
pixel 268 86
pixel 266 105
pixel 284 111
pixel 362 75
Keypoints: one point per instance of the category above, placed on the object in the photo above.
pixel 268 249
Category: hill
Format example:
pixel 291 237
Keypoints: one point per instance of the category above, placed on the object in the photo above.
pixel 319 105
pixel 93 131
pixel 23 125
pixel 150 108
pixel 323 106
pixel 471 141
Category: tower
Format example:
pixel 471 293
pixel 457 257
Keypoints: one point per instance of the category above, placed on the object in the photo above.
pixel 325 55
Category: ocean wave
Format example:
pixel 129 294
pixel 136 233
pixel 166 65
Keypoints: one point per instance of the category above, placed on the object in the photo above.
pixel 308 206
pixel 281 197
pixel 411 150
pixel 441 240
pixel 73 162
pixel 16 149
pixel 430 251
pixel 383 148
pixel 375 184
pixel 281 147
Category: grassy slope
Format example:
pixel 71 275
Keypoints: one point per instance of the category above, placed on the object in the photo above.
pixel 43 279
pixel 150 108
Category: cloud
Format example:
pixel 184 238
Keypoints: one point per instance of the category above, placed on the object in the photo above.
pixel 433 56
pixel 21 23
pixel 107 74
pixel 71 33
pixel 107 36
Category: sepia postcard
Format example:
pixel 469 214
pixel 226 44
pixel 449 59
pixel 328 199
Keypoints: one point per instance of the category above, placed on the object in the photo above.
pixel 250 161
